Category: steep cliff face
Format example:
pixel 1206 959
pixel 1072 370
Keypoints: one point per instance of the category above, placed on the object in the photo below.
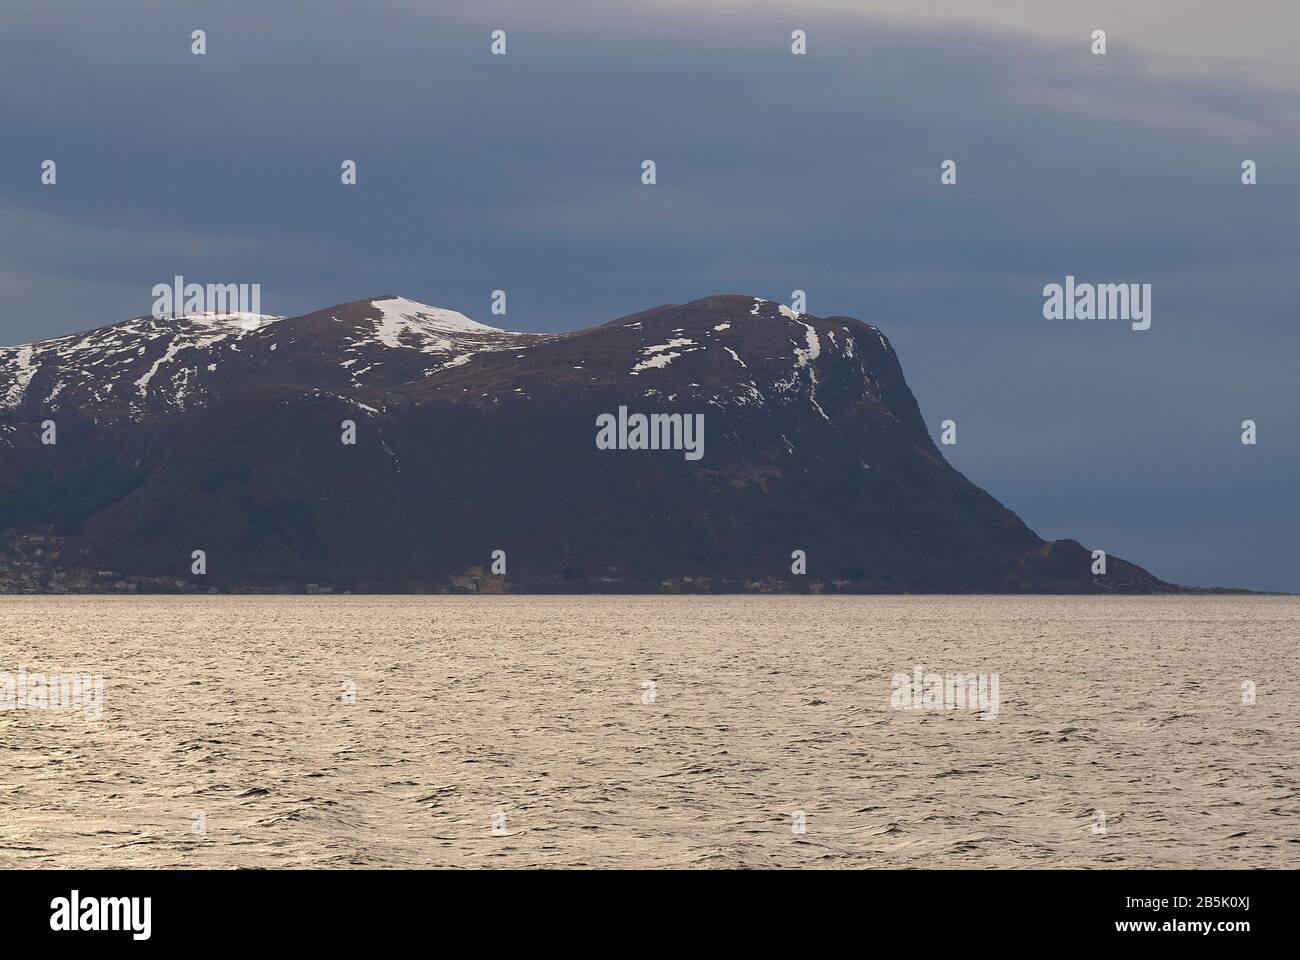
pixel 776 432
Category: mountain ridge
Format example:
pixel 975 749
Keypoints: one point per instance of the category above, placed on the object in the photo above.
pixel 197 434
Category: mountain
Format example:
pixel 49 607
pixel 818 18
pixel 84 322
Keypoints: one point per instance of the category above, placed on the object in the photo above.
pixel 223 434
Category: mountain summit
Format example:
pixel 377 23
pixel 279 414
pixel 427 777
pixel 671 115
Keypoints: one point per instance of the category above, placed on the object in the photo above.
pixel 387 445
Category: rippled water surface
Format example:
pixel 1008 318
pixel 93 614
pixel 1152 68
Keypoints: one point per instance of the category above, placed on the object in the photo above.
pixel 230 713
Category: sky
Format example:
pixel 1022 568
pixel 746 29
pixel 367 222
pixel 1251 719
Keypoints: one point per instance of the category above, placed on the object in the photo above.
pixel 775 173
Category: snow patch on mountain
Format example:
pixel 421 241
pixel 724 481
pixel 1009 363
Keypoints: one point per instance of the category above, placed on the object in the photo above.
pixel 247 322
pixel 659 360
pixel 781 308
pixel 814 347
pixel 404 323
pixel 675 342
pixel 662 354
pixel 22 375
pixel 142 385
pixel 805 358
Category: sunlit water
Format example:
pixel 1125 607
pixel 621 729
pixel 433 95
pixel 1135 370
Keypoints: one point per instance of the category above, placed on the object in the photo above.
pixel 515 732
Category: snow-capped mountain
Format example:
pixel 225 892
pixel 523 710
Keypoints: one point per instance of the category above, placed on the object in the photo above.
pixel 226 434
pixel 149 367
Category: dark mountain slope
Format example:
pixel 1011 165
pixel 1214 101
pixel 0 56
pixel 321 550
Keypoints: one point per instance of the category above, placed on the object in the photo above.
pixel 471 440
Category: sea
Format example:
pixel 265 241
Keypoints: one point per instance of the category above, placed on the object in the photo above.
pixel 643 732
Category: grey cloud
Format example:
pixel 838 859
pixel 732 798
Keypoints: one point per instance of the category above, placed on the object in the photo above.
pixel 776 172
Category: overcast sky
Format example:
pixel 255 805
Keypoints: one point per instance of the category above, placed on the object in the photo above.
pixel 775 172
